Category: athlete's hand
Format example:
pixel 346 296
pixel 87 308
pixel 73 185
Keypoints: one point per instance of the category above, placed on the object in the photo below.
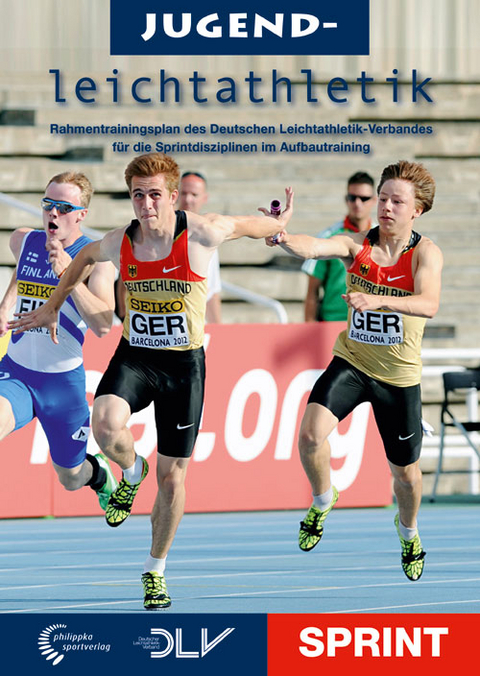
pixel 45 315
pixel 362 301
pixel 276 239
pixel 57 256
pixel 286 214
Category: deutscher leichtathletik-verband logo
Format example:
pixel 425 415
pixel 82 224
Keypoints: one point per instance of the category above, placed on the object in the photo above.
pixel 45 646
pixel 364 268
pixel 132 270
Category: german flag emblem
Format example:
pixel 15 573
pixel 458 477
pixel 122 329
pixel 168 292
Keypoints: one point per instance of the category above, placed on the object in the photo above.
pixel 132 270
pixel 364 269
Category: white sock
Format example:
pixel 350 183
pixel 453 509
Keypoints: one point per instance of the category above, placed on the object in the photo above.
pixel 406 533
pixel 133 474
pixel 324 500
pixel 157 565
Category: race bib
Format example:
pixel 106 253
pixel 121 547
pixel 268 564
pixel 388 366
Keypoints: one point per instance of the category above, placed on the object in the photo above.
pixel 157 324
pixel 28 304
pixel 376 328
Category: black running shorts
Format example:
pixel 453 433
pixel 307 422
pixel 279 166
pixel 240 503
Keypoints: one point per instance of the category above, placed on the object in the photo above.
pixel 174 380
pixel 397 410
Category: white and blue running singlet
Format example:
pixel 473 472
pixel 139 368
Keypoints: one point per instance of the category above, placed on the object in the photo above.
pixel 39 378
pixel 36 281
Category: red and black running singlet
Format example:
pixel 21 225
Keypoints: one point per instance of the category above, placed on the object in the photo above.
pixel 384 345
pixel 165 304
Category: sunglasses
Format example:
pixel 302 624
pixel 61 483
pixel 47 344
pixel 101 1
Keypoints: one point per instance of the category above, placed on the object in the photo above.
pixel 354 198
pixel 61 207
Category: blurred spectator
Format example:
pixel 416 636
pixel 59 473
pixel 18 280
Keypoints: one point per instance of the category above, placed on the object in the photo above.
pixel 329 275
pixel 192 197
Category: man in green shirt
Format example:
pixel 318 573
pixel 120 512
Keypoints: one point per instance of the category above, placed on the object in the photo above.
pixel 329 275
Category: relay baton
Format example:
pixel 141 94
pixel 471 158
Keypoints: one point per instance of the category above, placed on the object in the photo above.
pixel 275 209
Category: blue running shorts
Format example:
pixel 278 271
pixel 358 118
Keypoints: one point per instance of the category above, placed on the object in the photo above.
pixel 59 402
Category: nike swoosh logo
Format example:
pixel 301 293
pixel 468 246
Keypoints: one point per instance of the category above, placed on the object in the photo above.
pixel 405 438
pixel 4 376
pixel 392 279
pixel 165 270
pixel 184 427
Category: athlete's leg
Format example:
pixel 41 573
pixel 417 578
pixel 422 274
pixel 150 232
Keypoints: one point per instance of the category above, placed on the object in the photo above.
pixel 109 425
pixel 7 419
pixel 335 394
pixel 73 478
pixel 67 429
pixel 166 515
pixel 16 401
pixel 169 504
pixel 398 412
pixel 407 486
pixel 314 447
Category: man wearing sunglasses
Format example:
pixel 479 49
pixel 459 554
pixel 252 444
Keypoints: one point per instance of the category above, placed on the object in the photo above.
pixel 47 381
pixel 330 275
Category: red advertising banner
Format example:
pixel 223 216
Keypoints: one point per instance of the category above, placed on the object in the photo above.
pixel 258 381
pixel 370 644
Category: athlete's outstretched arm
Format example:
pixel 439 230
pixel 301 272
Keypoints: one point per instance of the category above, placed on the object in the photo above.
pixel 306 246
pixel 211 230
pixel 78 270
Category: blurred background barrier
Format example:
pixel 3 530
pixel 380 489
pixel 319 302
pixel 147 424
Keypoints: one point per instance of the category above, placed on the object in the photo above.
pixel 258 381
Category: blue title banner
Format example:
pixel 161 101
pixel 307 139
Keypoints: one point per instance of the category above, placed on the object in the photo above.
pixel 312 27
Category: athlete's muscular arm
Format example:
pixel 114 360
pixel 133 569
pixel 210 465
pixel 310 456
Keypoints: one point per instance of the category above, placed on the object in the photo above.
pixel 306 246
pixel 7 303
pixel 94 299
pixel 80 268
pixel 211 230
pixel 427 284
pixel 10 296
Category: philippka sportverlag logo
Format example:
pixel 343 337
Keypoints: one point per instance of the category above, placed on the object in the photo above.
pixel 55 642
pixel 315 27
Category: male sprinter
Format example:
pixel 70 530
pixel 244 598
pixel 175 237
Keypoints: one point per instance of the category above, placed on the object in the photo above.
pixel 393 285
pixel 163 259
pixel 47 381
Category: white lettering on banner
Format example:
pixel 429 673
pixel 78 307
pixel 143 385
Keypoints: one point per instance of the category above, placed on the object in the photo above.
pixel 368 642
pixel 301 25
pixel 204 446
pixel 39 453
pixel 300 385
pixel 206 440
pixel 257 381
